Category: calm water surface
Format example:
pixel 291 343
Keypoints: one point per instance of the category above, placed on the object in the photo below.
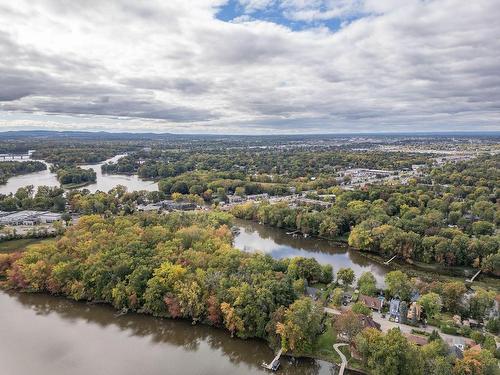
pixel 45 335
pixel 275 242
pixel 104 182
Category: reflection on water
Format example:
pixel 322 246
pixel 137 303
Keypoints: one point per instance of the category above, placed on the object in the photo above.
pixel 45 335
pixel 104 182
pixel 275 242
pixel 36 179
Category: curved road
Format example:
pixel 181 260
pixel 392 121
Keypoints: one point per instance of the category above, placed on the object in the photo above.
pixel 342 356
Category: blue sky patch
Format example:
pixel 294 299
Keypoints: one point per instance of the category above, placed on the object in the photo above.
pixel 274 13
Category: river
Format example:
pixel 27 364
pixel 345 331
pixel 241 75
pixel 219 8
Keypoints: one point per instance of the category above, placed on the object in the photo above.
pixel 275 242
pixel 104 182
pixel 45 335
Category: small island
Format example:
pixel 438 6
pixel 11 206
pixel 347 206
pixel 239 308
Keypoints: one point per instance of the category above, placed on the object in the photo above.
pixel 75 177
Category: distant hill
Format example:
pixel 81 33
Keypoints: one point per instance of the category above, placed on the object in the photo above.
pixel 88 135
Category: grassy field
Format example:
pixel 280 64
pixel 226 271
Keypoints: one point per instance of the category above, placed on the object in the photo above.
pixel 324 346
pixel 20 244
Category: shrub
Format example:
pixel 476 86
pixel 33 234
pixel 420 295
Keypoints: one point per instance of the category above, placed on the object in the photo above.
pixel 449 330
pixel 420 332
pixel 360 308
pixel 493 326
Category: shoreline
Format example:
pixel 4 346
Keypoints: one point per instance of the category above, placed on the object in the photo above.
pixel 118 313
pixel 412 269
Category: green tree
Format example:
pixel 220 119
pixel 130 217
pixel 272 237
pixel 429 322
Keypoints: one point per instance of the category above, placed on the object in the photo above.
pixel 301 326
pixel 337 295
pixel 483 228
pixel 398 284
pixel 299 286
pixel 326 274
pixel 452 294
pixel 431 302
pixel 480 302
pixel 434 355
pixel 493 325
pixel 163 281
pixel 346 275
pixel 360 308
pixel 367 284
pixel 389 354
pixel 348 325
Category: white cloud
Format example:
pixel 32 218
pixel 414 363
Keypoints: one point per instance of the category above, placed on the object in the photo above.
pixel 172 66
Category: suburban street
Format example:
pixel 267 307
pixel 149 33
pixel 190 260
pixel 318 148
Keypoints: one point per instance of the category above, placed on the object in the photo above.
pixel 386 325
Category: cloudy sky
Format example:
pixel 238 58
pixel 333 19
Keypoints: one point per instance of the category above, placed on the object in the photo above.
pixel 250 66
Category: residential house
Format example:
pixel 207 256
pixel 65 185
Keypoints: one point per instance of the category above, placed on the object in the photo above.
pixel 394 308
pixel 414 312
pixel 372 302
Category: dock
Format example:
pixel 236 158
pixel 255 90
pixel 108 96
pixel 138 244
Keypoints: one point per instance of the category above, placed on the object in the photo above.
pixel 342 357
pixel 390 260
pixel 473 277
pixel 275 364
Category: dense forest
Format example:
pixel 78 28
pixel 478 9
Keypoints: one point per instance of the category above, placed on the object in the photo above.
pixel 286 162
pixel 14 168
pixel 177 266
pixel 71 155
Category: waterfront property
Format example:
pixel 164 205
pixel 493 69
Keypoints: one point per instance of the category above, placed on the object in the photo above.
pixel 373 303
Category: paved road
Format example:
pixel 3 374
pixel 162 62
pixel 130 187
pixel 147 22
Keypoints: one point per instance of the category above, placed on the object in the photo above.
pixel 342 356
pixel 386 324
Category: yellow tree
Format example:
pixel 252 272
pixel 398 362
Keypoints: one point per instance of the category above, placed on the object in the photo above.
pixel 232 321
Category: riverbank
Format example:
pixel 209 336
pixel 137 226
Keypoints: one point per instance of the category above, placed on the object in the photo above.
pixel 357 259
pixel 77 185
pixel 435 272
pixel 55 303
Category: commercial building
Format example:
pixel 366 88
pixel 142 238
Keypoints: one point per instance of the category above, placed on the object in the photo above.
pixel 28 218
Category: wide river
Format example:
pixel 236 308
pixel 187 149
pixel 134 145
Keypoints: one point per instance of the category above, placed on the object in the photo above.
pixel 104 182
pixel 45 335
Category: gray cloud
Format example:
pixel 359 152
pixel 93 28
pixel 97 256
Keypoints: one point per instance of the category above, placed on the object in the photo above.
pixel 173 66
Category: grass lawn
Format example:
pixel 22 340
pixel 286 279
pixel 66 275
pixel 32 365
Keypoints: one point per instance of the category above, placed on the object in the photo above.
pixel 20 244
pixel 324 346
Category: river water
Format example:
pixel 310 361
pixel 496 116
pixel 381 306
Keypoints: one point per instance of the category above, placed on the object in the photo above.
pixel 275 242
pixel 104 182
pixel 45 335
